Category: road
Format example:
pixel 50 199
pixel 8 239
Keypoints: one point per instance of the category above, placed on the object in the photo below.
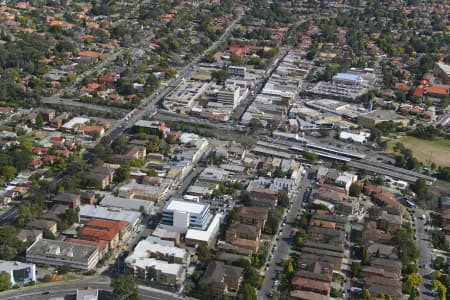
pixel 48 291
pixel 424 245
pixel 8 216
pixel 281 251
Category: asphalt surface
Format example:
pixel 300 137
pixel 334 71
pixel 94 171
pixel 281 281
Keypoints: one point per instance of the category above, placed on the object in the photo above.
pixel 69 288
pixel 425 247
pixel 282 246
pixel 8 216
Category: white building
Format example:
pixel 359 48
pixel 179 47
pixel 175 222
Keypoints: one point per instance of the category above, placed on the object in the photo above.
pixel 230 96
pixel 184 214
pixel 141 263
pixel 19 272
pixel 196 237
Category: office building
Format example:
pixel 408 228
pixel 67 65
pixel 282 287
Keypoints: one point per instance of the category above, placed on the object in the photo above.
pixel 57 253
pixel 184 214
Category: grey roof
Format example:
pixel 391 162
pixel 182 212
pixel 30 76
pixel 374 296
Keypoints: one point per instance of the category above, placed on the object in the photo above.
pixel 94 211
pixel 131 204
pixel 51 248
pixel 67 197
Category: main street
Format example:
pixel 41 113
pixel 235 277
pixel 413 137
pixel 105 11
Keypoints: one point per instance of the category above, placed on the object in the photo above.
pixel 281 251
pixel 62 289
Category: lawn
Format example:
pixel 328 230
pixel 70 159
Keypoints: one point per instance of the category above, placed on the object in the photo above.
pixel 437 151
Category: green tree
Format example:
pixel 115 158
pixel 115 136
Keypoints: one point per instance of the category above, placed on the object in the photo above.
pixel 310 157
pixel 355 190
pixel 421 189
pixel 5 281
pixel 119 145
pixel 220 76
pixel 365 258
pixel 8 172
pixel 283 198
pixel 365 295
pixel 152 173
pixel 203 252
pixel 247 292
pixel 71 216
pixel 124 287
pixel 39 121
pixel 235 60
pixel 122 174
pixel 356 269
pixel 440 289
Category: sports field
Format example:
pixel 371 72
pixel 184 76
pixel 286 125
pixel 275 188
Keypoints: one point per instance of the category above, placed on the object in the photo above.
pixel 437 151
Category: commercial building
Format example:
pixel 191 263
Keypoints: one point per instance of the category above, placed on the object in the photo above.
pixel 184 97
pixel 229 95
pixel 348 79
pixel 133 190
pixel 129 204
pixel 57 253
pixel 195 237
pixel 184 214
pixel 372 119
pixel 109 231
pixel 93 211
pixel 19 272
pixel 237 71
pixel 442 70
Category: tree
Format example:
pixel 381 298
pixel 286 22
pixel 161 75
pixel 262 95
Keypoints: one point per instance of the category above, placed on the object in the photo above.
pixel 5 281
pixel 203 252
pixel 8 172
pixel 355 190
pixel 439 262
pixel 365 259
pixel 119 145
pixel 70 216
pixel 421 189
pixel 124 287
pixel 39 121
pixel 356 269
pixel 235 59
pixel 283 198
pixel 152 173
pixel 365 295
pixel 246 198
pixel 440 289
pixel 310 157
pixel 122 174
pixel 220 76
pixel 247 292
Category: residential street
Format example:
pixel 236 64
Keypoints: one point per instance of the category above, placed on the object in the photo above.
pixel 424 245
pixel 282 246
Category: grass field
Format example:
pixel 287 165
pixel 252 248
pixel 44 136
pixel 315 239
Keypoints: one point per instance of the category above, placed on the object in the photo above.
pixel 437 151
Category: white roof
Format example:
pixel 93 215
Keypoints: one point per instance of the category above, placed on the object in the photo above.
pixel 139 257
pixel 205 235
pixel 74 121
pixel 186 206
pixel 7 266
pixel 94 211
pixel 353 136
